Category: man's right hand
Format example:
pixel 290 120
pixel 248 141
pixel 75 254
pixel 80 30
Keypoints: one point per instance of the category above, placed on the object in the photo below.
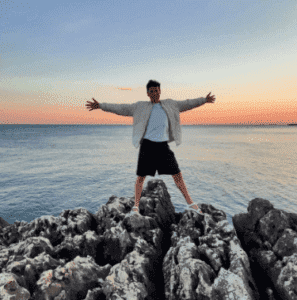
pixel 92 105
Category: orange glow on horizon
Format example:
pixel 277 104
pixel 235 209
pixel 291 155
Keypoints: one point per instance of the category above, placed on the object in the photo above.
pixel 202 115
pixel 268 102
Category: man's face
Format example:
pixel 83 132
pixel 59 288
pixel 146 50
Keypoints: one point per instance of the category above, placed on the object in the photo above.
pixel 154 94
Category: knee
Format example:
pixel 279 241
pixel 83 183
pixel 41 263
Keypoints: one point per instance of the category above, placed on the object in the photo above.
pixel 140 179
pixel 177 177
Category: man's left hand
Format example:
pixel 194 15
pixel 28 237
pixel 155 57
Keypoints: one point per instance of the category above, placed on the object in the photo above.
pixel 210 99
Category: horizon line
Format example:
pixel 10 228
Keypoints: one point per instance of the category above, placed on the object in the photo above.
pixel 120 124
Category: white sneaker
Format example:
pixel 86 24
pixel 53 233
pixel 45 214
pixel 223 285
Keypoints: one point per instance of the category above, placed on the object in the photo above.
pixel 134 210
pixel 191 207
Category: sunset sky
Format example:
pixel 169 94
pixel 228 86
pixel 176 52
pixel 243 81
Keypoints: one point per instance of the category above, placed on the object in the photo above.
pixel 56 55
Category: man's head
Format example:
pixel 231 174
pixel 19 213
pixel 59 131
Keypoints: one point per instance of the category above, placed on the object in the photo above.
pixel 154 91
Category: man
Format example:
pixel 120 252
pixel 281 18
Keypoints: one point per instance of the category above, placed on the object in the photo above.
pixel 155 124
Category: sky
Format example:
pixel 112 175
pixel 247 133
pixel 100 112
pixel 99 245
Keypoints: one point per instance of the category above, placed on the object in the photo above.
pixel 57 55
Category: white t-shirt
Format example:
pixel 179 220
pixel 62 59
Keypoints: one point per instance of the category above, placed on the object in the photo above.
pixel 158 126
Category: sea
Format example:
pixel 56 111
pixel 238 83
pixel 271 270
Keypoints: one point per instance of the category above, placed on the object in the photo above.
pixel 45 169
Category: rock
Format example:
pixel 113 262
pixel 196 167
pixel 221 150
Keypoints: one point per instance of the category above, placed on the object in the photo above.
pixel 269 238
pixel 159 254
pixel 3 223
pixel 10 289
pixel 206 260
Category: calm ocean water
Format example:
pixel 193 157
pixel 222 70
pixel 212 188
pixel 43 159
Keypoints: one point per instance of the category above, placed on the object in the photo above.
pixel 45 169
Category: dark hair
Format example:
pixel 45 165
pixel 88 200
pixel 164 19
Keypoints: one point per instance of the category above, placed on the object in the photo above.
pixel 152 83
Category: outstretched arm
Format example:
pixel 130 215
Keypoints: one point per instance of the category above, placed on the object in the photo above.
pixel 194 103
pixel 119 109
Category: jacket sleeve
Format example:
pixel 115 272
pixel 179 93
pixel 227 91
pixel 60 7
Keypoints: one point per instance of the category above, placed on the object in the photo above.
pixel 190 104
pixel 119 109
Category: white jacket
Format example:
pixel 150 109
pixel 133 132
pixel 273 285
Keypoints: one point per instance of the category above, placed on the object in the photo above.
pixel 141 111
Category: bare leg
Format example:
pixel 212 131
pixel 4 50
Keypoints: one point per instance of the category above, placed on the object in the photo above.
pixel 179 181
pixel 138 189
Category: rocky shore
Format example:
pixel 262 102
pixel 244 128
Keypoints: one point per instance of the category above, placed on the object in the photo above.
pixel 159 254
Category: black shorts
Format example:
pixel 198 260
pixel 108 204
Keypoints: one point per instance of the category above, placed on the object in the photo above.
pixel 156 156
